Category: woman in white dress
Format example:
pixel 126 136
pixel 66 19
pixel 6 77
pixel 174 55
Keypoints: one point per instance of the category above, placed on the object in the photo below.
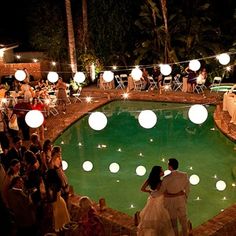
pixel 154 218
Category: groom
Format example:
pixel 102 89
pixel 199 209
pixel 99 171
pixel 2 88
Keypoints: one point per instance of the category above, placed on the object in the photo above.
pixel 175 187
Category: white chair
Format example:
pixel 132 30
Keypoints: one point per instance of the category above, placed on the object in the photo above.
pixel 76 97
pixel 177 85
pixel 216 82
pixel 52 104
pixel 152 83
pixel 120 82
pixel 138 85
pixel 199 87
pixel 167 83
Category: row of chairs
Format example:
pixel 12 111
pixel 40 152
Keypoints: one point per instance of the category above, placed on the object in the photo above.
pixel 169 83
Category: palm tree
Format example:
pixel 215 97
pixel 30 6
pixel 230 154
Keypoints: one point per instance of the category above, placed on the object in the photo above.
pixel 71 37
pixel 85 25
pixel 167 48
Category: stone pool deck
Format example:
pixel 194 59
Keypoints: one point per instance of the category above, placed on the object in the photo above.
pixel 118 223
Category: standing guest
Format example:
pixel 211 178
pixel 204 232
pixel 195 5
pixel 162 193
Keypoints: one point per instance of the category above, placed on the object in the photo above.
pixel 21 205
pixel 2 176
pixel 61 94
pixel 191 79
pixel 13 170
pixel 38 105
pixel 61 215
pixel 26 91
pixel 21 109
pixel 13 127
pixel 46 155
pixel 176 187
pixel 4 141
pixel 16 152
pixel 154 218
pixel 156 74
pixel 35 144
pixel 56 163
pixel 144 79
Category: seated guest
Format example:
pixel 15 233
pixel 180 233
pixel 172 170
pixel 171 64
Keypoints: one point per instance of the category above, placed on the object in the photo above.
pixel 201 78
pixel 89 221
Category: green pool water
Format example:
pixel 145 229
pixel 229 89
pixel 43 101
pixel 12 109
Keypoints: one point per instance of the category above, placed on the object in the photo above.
pixel 200 149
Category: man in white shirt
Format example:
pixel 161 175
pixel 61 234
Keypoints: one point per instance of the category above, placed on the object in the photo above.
pixel 175 187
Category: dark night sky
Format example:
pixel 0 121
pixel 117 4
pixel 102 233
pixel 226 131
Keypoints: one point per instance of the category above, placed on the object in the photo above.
pixel 13 17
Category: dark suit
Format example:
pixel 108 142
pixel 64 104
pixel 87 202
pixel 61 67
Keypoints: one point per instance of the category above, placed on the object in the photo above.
pixel 13 154
pixel 24 212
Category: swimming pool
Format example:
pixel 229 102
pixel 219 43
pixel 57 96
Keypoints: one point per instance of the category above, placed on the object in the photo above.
pixel 200 149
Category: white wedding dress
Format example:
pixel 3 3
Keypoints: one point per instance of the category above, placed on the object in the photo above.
pixel 154 218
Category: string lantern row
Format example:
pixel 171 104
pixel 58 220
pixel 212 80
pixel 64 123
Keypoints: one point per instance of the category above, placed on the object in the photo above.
pixel 136 73
pixel 98 120
pixel 141 171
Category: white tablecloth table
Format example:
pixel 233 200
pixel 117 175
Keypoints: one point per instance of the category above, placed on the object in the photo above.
pixel 229 105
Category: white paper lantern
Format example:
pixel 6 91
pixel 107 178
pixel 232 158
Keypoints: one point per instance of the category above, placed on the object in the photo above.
pixel 34 118
pixel 136 74
pixel 198 114
pixel 140 170
pixel 220 185
pixel 165 69
pixel 20 75
pixel 97 120
pixel 194 65
pixel 87 165
pixel 108 76
pixel 64 165
pixel 224 58
pixel 114 167
pixel 79 77
pixel 147 119
pixel 52 77
pixel 194 179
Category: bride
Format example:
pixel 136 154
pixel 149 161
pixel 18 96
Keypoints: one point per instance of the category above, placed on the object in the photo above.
pixel 154 218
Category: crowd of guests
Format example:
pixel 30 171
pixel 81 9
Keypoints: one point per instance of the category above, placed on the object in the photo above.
pixel 32 182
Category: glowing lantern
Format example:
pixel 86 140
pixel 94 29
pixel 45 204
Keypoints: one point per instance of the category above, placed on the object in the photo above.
pixel 97 120
pixel 220 185
pixel 197 114
pixel 194 65
pixel 165 69
pixel 136 74
pixel 194 179
pixel 79 77
pixel 147 119
pixel 114 167
pixel 108 76
pixel 87 165
pixel 52 77
pixel 34 118
pixel 20 75
pixel 64 165
pixel 224 58
pixel 140 170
